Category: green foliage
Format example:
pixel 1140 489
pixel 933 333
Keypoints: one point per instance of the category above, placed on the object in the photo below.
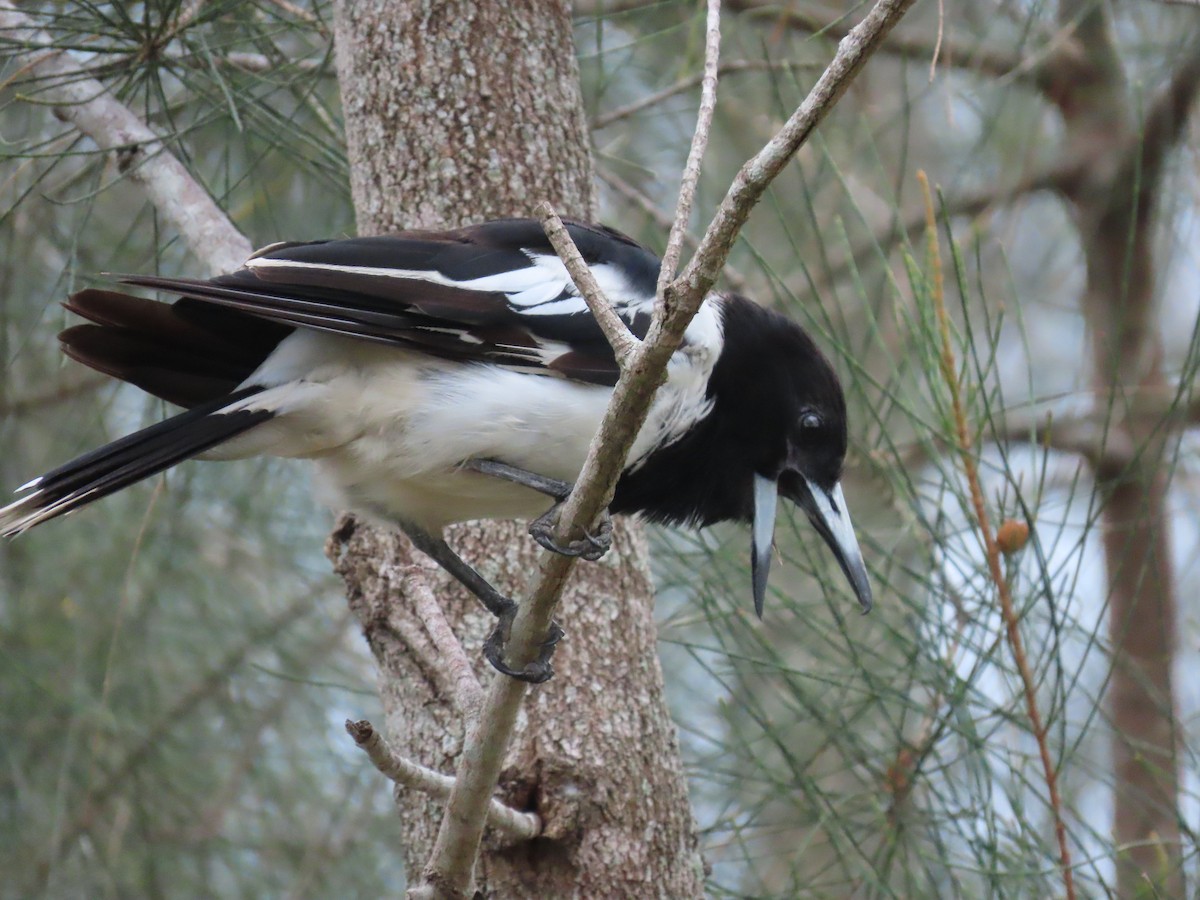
pixel 176 663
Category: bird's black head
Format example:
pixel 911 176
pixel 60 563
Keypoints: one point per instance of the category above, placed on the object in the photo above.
pixel 777 426
pixel 792 416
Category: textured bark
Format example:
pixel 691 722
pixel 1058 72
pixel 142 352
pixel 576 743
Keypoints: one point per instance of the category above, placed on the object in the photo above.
pixel 453 114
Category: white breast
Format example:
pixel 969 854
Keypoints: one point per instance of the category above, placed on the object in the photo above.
pixel 387 428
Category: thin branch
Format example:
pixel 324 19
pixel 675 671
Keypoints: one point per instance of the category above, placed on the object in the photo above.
pixel 620 338
pixel 1102 435
pixel 949 50
pixel 662 220
pixel 68 389
pixel 450 866
pixel 603 120
pixel 428 648
pixel 254 63
pixel 141 154
pixel 751 182
pixel 1012 621
pixel 1163 127
pixel 691 168
pixel 303 15
pixel 1107 446
pixel 509 823
pixel 941 36
pixel 906 226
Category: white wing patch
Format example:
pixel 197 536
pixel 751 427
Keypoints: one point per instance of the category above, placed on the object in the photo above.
pixel 543 288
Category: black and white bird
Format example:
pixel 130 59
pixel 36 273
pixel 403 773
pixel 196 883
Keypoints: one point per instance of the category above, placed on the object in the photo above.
pixel 436 377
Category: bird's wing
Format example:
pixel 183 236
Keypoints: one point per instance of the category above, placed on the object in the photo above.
pixel 494 293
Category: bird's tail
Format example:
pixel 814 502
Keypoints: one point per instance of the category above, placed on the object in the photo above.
pixel 123 462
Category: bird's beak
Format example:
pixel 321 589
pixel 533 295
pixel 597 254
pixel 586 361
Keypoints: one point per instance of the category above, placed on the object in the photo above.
pixel 766 493
pixel 828 514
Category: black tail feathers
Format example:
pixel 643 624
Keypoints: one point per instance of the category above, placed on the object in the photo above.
pixel 130 459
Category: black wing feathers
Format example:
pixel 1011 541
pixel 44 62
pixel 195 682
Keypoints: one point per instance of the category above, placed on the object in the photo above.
pixel 185 353
pixel 221 330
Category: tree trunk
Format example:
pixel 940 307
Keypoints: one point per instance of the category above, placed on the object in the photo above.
pixel 1114 200
pixel 458 112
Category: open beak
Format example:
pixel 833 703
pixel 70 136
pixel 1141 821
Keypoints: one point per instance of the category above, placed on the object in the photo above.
pixel 828 514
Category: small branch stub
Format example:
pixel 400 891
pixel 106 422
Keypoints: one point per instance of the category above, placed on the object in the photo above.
pixel 623 342
pixel 510 823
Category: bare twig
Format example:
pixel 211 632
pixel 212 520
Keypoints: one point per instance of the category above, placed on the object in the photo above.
pixel 256 63
pixel 450 866
pixel 908 225
pixel 1101 434
pixel 750 183
pixel 950 51
pixel 661 219
pixel 425 644
pixel 1012 621
pixel 141 154
pixel 691 168
pixel 603 120
pixel 507 822
pixel 620 338
pixel 937 46
pixel 56 393
pixel 302 14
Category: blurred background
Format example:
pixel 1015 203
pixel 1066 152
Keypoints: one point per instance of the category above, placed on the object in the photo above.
pixel 177 661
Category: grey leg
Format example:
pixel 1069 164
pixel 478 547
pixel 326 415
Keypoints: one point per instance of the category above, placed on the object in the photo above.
pixel 551 487
pixel 502 607
pixel 441 553
pixel 591 547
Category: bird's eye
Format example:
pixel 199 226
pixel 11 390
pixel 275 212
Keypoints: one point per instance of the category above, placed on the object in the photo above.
pixel 810 420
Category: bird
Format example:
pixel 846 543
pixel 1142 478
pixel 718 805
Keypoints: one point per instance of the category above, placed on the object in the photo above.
pixel 435 377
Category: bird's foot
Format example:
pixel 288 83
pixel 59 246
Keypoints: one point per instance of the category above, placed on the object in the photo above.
pixel 539 670
pixel 590 547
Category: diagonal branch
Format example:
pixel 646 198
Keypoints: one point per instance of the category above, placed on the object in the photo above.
pixel 905 226
pixel 603 120
pixel 620 338
pixel 141 154
pixel 751 182
pixel 644 203
pixel 1163 127
pixel 448 872
pixel 448 662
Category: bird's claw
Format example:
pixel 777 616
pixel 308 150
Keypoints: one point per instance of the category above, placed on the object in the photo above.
pixel 539 670
pixel 590 547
